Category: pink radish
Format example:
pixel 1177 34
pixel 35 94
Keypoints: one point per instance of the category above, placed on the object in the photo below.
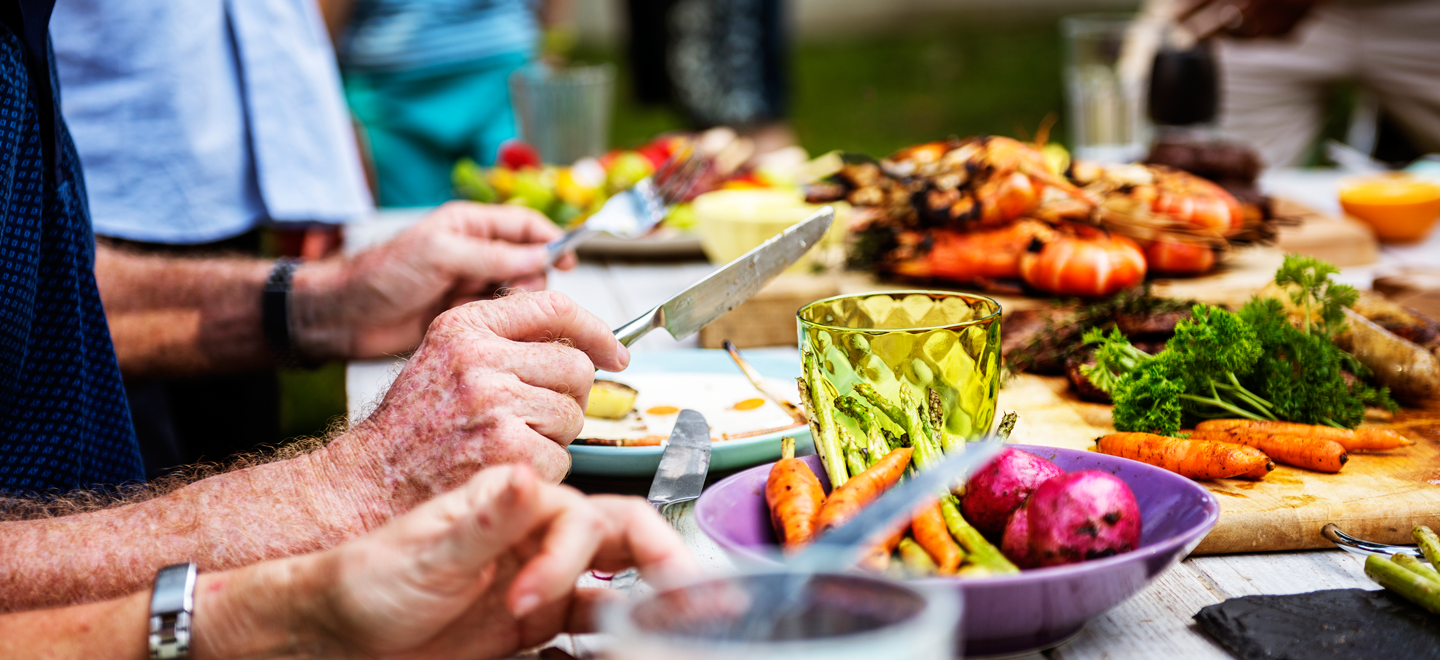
pixel 1079 516
pixel 999 489
pixel 1016 544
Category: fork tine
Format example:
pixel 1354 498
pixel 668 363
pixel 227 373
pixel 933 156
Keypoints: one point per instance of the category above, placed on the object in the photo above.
pixel 672 193
pixel 678 158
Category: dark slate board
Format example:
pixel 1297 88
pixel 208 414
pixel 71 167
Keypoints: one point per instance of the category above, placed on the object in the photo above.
pixel 1353 624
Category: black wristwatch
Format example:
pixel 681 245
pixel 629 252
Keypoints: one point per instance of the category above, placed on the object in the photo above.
pixel 275 315
pixel 172 605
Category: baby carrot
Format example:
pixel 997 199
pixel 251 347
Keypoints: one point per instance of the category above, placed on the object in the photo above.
pixel 847 500
pixel 794 496
pixel 878 558
pixel 1309 453
pixel 1350 439
pixel 1196 459
pixel 931 533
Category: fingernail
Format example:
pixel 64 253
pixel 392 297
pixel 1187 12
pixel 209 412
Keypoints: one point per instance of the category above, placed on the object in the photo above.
pixel 624 353
pixel 525 605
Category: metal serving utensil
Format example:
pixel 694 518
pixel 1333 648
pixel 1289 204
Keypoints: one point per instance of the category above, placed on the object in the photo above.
pixel 1363 548
pixel 684 463
pixel 759 382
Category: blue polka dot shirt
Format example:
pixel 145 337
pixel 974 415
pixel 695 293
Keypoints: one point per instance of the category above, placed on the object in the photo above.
pixel 64 422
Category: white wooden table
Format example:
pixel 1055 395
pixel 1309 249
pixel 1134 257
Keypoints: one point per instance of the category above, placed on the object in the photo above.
pixel 1156 623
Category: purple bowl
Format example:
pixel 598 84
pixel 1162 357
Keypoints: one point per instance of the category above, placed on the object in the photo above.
pixel 1038 608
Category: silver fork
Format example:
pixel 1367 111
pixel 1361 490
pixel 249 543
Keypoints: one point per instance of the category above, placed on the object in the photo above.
pixel 1362 547
pixel 630 213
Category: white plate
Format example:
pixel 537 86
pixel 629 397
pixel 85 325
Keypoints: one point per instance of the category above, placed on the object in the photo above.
pixel 712 395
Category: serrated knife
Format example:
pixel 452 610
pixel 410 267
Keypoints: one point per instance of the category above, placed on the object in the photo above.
pixel 684 463
pixel 724 290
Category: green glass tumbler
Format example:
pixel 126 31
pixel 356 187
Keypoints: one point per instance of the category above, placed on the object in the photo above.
pixel 926 352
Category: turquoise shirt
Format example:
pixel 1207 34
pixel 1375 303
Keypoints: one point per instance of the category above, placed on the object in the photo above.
pixel 428 35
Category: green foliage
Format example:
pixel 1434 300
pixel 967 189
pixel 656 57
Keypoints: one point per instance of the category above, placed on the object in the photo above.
pixel 1114 356
pixel 1307 280
pixel 1148 399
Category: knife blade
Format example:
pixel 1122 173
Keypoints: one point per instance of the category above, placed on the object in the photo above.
pixel 840 548
pixel 758 381
pixel 684 463
pixel 723 290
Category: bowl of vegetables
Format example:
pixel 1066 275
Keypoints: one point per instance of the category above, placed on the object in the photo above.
pixel 1008 611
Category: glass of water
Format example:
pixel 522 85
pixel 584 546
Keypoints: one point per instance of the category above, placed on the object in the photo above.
pixel 1107 62
pixel 564 112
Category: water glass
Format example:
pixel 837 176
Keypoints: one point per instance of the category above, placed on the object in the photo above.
pixel 915 341
pixel 564 112
pixel 774 616
pixel 1107 61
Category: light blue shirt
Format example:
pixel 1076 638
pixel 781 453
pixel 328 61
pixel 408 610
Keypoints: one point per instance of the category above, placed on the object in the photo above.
pixel 197 120
pixel 427 35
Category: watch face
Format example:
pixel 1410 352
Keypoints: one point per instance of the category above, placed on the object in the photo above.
pixel 173 586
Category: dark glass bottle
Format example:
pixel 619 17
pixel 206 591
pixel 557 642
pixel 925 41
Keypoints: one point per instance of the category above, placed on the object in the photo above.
pixel 1184 86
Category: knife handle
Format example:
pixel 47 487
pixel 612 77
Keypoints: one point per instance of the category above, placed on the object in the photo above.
pixel 632 332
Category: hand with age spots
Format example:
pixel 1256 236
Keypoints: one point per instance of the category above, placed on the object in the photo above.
pixel 487 569
pixel 494 382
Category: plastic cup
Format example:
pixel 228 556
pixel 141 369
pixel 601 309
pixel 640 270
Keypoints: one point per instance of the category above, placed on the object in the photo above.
pixel 830 617
pixel 906 344
pixel 564 112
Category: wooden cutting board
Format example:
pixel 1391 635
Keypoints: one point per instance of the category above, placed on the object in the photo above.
pixel 1377 497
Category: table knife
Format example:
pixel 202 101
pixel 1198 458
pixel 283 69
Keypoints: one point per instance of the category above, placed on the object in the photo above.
pixel 734 283
pixel 684 463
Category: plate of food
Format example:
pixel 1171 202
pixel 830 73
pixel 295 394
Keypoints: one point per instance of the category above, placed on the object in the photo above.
pixel 632 413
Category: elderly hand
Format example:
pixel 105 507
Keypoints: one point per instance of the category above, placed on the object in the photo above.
pixel 379 302
pixel 500 381
pixel 481 572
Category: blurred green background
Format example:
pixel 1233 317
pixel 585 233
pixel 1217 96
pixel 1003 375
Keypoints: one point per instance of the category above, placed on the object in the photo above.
pixel 875 94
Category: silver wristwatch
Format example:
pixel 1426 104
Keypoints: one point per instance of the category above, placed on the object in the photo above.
pixel 171 606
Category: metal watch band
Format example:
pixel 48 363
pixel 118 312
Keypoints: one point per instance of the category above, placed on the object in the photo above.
pixel 275 314
pixel 171 605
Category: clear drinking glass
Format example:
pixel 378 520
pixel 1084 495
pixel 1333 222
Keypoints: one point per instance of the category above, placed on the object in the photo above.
pixel 753 617
pixel 564 112
pixel 1107 61
pixel 906 344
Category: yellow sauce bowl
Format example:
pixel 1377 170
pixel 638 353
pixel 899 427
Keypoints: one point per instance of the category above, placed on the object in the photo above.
pixel 1400 208
pixel 733 222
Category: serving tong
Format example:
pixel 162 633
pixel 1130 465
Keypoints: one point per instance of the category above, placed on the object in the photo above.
pixel 1363 548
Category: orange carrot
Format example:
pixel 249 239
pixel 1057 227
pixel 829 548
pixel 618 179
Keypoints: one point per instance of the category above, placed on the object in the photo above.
pixel 794 496
pixel 1260 472
pixel 878 559
pixel 847 500
pixel 1196 459
pixel 1350 439
pixel 931 533
pixel 1309 453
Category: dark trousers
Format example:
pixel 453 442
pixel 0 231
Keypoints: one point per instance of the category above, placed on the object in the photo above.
pixel 181 421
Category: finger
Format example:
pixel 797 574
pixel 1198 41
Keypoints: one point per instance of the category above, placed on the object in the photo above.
pixel 517 442
pixel 557 417
pixel 547 316
pixel 480 520
pixel 641 538
pixel 514 224
pixel 567 261
pixel 564 555
pixel 548 365
pixel 585 604
pixel 490 260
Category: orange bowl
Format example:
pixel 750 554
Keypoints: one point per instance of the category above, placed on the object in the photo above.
pixel 1401 208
